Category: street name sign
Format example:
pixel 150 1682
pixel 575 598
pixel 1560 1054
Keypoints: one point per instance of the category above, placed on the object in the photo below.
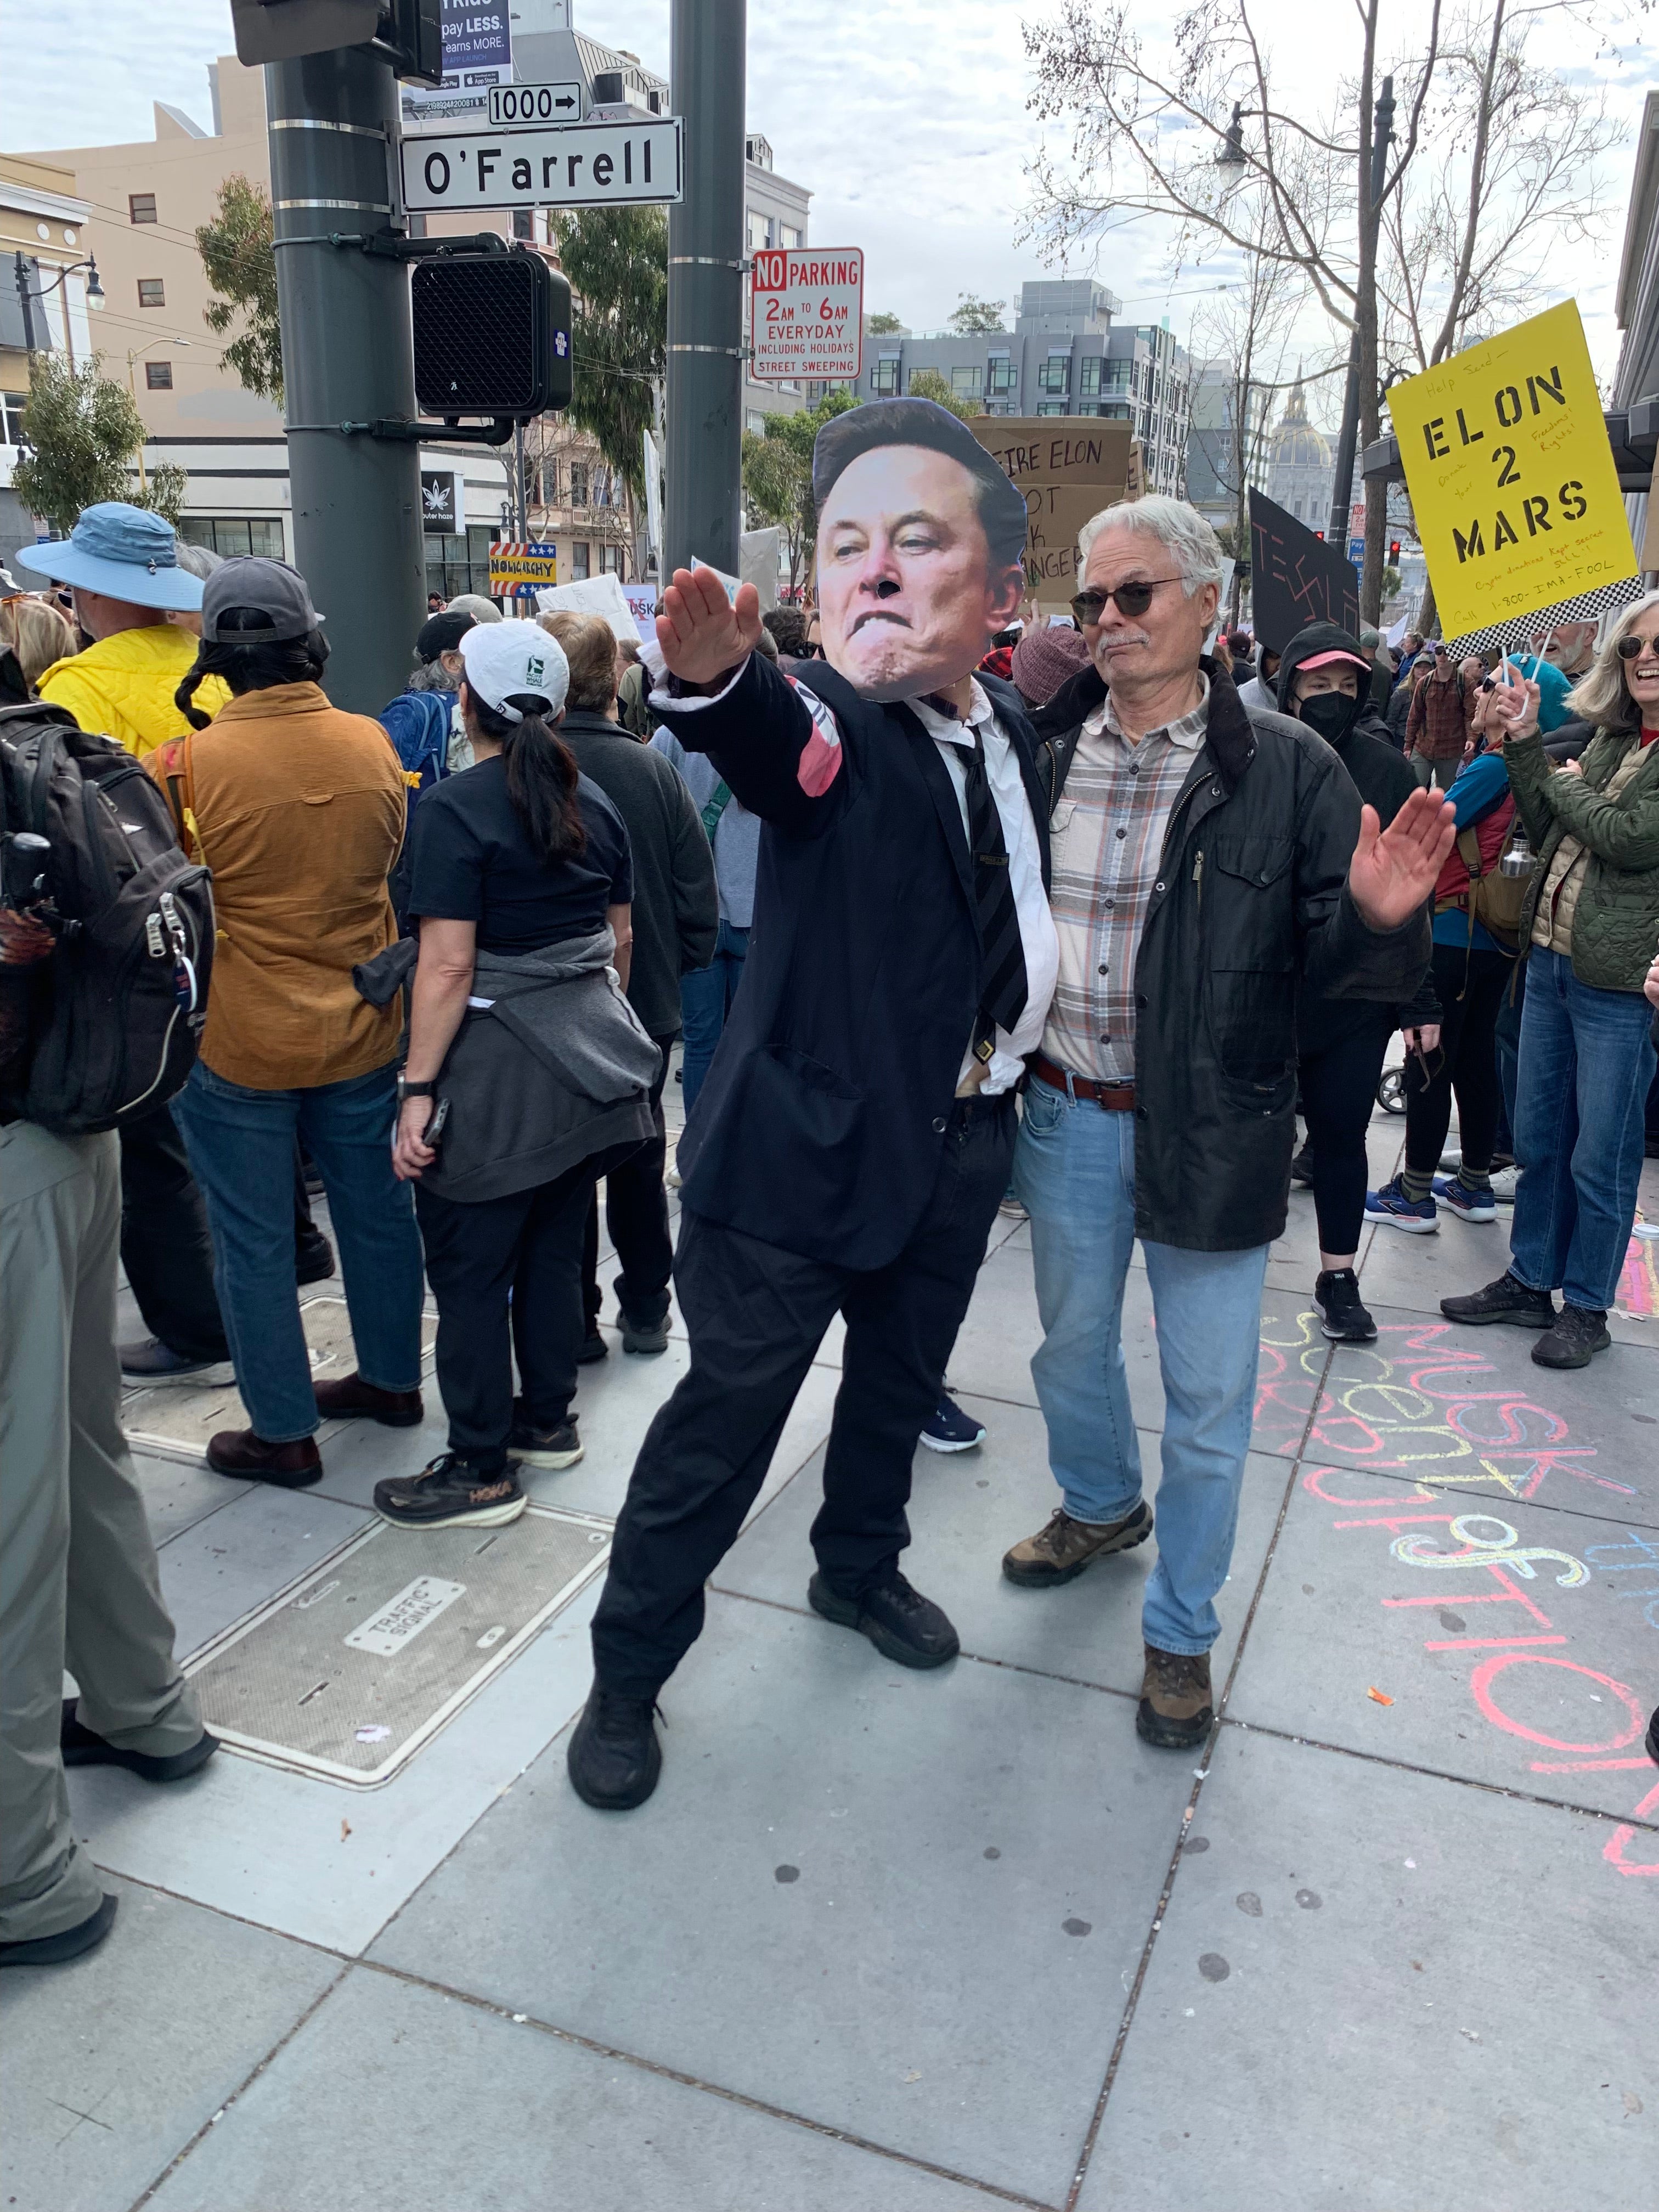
pixel 562 165
pixel 535 103
pixel 807 313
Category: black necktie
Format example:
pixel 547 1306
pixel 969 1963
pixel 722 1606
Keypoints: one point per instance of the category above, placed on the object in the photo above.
pixel 1002 987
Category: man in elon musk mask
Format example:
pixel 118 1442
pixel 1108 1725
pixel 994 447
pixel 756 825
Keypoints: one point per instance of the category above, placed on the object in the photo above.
pixel 854 1136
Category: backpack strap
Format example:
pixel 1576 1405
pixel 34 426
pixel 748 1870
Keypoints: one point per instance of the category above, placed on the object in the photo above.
pixel 177 772
pixel 719 799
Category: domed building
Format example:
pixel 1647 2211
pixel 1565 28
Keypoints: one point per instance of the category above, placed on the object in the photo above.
pixel 1301 465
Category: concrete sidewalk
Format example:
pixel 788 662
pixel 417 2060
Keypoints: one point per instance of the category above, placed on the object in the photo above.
pixel 885 1941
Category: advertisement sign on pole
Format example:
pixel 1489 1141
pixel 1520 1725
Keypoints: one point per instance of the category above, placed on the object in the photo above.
pixel 807 313
pixel 568 165
pixel 1512 479
pixel 477 49
pixel 518 569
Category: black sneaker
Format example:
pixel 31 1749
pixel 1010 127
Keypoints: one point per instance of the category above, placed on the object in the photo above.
pixel 593 1347
pixel 71 1943
pixel 313 1259
pixel 648 1337
pixel 451 1493
pixel 948 1429
pixel 1580 1331
pixel 1302 1172
pixel 902 1624
pixel 1504 1300
pixel 559 1446
pixel 614 1756
pixel 82 1748
pixel 1652 1745
pixel 1342 1314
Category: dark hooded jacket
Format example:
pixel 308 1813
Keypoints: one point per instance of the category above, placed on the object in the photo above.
pixel 1250 911
pixel 1383 778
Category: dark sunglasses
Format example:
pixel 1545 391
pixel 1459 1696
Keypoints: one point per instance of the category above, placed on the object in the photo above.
pixel 1631 648
pixel 1130 599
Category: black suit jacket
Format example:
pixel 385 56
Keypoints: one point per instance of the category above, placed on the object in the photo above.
pixel 819 1125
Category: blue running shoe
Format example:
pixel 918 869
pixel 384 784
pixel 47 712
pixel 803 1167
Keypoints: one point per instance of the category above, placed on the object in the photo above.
pixel 1468 1205
pixel 949 1430
pixel 1417 1217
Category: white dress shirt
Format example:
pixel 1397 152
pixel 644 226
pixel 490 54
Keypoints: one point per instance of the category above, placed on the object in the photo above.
pixel 1038 941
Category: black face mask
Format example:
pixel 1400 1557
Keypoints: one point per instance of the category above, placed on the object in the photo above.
pixel 1333 713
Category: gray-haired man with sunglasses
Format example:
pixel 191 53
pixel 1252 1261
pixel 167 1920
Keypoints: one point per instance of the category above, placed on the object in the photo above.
pixel 1209 862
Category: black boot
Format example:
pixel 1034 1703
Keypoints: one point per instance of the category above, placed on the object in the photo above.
pixel 614 1756
pixel 1342 1316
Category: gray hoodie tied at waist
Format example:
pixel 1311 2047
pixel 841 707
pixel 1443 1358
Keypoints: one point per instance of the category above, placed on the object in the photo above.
pixel 555 1068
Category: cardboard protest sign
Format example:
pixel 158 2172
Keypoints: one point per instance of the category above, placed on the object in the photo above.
pixel 1295 578
pixel 918 559
pixel 1512 479
pixel 1068 468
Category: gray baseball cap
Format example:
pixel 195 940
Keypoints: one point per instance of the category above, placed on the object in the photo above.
pixel 270 587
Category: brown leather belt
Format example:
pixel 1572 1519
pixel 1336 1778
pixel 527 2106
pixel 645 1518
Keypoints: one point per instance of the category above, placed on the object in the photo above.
pixel 1110 1097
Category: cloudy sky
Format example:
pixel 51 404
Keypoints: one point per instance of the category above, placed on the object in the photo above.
pixel 907 123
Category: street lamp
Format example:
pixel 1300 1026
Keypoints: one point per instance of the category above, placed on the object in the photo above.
pixel 95 296
pixel 1229 155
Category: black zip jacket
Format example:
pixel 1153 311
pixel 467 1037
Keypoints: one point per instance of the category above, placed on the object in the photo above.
pixel 1249 909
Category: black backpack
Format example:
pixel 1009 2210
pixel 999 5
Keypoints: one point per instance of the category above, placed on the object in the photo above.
pixel 120 1007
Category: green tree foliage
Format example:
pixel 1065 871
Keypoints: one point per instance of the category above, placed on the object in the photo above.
pixel 83 432
pixel 777 476
pixel 931 383
pixel 883 326
pixel 616 259
pixel 972 316
pixel 240 262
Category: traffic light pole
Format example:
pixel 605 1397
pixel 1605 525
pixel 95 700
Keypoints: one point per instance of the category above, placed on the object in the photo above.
pixel 347 359
pixel 705 250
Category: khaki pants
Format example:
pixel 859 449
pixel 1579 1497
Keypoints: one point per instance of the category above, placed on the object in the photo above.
pixel 1443 773
pixel 78 1581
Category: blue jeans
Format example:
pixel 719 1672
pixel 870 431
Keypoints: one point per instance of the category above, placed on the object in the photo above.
pixel 706 996
pixel 1586 1063
pixel 241 1149
pixel 1074 1168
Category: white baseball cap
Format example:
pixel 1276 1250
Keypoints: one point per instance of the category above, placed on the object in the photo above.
pixel 514 661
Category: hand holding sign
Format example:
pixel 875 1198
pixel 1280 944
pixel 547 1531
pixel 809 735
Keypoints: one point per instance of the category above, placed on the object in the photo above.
pixel 1394 871
pixel 703 634
pixel 1515 702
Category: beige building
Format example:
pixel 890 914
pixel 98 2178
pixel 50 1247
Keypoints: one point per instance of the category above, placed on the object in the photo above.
pixel 43 228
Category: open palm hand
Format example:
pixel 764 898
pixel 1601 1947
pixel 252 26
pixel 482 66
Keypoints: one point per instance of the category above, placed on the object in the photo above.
pixel 703 634
pixel 1394 871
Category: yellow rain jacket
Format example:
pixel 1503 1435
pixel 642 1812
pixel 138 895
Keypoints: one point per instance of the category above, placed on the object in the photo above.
pixel 122 687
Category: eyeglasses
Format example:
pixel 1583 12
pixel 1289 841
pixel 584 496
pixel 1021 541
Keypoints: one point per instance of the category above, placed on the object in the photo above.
pixel 1632 648
pixel 1130 599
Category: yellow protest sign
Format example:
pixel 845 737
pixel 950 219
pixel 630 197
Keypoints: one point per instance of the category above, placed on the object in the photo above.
pixel 1511 478
pixel 518 567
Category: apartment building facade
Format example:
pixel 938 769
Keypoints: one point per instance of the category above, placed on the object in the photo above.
pixel 44 238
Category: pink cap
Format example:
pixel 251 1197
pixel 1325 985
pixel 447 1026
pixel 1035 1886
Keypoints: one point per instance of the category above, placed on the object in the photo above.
pixel 1324 660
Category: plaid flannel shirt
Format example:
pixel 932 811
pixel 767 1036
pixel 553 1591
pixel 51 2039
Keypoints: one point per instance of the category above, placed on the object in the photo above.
pixel 1437 725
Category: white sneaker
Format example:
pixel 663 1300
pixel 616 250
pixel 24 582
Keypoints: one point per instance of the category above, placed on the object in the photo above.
pixel 1451 1160
pixel 672 1178
pixel 1504 1180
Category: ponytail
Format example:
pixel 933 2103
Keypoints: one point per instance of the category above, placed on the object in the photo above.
pixel 541 775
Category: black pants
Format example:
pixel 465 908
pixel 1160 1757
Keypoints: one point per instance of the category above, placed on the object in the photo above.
pixel 166 1249
pixel 756 1315
pixel 506 1275
pixel 1338 1091
pixel 636 1214
pixel 1471 985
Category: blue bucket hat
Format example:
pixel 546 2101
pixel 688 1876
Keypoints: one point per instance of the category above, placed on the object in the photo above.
pixel 125 552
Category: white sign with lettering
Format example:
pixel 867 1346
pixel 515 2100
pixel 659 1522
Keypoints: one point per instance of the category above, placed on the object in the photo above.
pixel 566 165
pixel 807 313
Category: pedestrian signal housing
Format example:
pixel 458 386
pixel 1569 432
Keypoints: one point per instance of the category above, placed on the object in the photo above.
pixel 492 336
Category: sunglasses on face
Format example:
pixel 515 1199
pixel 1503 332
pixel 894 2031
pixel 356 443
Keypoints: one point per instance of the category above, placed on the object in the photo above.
pixel 1131 599
pixel 1632 648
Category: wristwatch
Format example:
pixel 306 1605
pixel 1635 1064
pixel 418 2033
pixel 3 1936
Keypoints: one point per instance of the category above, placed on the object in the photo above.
pixel 408 1089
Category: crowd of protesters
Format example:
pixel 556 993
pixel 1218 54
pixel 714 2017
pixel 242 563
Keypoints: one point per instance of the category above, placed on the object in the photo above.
pixel 946 911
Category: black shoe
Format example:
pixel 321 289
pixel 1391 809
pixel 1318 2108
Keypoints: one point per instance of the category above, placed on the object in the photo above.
pixel 1342 1314
pixel 1504 1300
pixel 559 1446
pixel 614 1757
pixel 948 1429
pixel 1652 1745
pixel 649 1337
pixel 80 1747
pixel 149 1360
pixel 1302 1172
pixel 898 1621
pixel 451 1493
pixel 313 1259
pixel 53 1950
pixel 1580 1331
pixel 593 1347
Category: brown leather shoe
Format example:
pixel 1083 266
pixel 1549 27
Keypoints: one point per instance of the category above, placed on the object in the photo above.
pixel 240 1453
pixel 392 1409
pixel 1064 1547
pixel 1175 1710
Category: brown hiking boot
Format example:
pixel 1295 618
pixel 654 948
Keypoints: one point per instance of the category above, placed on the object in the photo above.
pixel 351 1396
pixel 253 1458
pixel 1175 1710
pixel 1064 1547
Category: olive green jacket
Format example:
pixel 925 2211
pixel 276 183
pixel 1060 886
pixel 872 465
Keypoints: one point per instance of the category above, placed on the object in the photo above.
pixel 1615 931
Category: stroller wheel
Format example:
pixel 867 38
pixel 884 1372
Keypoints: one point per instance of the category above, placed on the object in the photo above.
pixel 1391 1090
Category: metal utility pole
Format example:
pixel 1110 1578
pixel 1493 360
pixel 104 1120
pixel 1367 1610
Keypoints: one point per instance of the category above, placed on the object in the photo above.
pixel 706 251
pixel 347 361
pixel 1371 217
